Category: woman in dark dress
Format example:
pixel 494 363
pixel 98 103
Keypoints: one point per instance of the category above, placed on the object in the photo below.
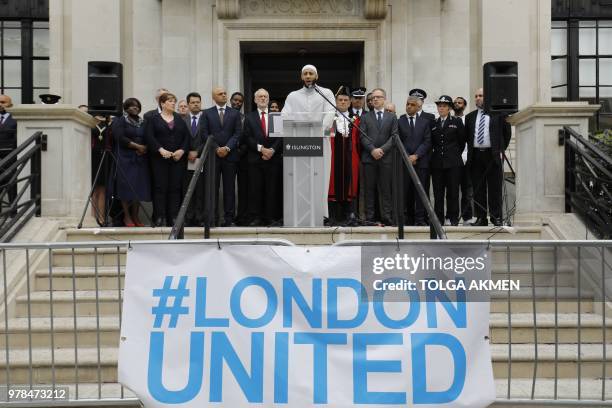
pixel 168 139
pixel 132 174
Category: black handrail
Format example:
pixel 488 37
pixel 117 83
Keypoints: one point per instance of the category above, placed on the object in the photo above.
pixel 16 212
pixel 588 182
pixel 436 230
pixel 207 156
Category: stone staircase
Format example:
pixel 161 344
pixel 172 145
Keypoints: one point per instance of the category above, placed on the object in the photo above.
pixel 86 321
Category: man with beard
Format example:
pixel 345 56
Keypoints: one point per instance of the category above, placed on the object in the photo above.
pixel 307 100
pixel 459 105
pixel 342 190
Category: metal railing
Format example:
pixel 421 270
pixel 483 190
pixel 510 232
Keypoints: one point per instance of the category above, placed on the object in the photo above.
pixel 60 315
pixel 588 182
pixel 15 209
pixel 207 161
pixel 400 155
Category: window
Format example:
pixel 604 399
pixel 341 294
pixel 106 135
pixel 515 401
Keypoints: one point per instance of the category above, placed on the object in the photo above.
pixel 24 59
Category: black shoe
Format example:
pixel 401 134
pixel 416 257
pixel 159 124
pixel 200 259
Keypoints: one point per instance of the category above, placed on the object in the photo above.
pixel 480 222
pixel 496 222
pixel 160 222
pixel 454 223
pixel 276 223
pixel 229 223
pixel 256 222
pixel 421 223
pixel 387 222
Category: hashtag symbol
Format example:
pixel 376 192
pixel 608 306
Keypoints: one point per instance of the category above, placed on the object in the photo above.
pixel 166 293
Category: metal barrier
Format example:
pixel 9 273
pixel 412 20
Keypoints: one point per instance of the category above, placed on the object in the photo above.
pixel 16 211
pixel 60 313
pixel 588 182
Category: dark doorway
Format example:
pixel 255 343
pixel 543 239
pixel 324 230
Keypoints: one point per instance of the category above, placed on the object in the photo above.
pixel 276 66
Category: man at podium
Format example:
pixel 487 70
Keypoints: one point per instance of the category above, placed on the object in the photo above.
pixel 308 100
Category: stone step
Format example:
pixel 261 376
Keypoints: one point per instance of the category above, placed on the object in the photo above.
pixel 523 360
pixel 109 302
pixel 566 331
pixel 109 277
pixel 103 365
pixel 87 330
pixel 305 236
pixel 567 389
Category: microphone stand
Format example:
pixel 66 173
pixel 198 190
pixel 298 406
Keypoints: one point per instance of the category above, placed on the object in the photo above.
pixel 352 122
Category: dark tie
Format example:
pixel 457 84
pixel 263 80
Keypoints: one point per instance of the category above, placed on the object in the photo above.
pixel 379 113
pixel 263 124
pixel 481 126
pixel 221 110
pixel 412 124
pixel 194 125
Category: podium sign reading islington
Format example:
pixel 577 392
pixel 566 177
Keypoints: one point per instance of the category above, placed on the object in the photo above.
pixel 303 147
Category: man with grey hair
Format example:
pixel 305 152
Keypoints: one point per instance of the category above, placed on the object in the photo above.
pixel 379 129
pixel 264 158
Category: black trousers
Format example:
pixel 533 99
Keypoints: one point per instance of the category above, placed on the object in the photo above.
pixel 467 194
pixel 242 213
pixel 168 178
pixel 226 170
pixel 415 210
pixel 446 183
pixel 378 175
pixel 195 210
pixel 487 179
pixel 263 189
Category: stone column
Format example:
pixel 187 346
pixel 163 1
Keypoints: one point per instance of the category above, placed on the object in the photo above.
pixel 540 160
pixel 66 164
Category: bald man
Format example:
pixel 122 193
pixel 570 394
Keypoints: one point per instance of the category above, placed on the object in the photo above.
pixel 223 124
pixel 8 137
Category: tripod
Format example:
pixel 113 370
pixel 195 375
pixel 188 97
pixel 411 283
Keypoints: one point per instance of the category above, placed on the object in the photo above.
pixel 107 154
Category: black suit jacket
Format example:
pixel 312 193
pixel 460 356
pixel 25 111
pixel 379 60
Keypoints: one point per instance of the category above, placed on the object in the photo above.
pixel 226 135
pixel 429 116
pixel 500 133
pixel 377 137
pixel 417 142
pixel 253 135
pixel 8 134
pixel 448 142
pixel 195 139
pixel 159 134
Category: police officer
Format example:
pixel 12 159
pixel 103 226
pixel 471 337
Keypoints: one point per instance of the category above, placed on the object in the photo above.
pixel 448 141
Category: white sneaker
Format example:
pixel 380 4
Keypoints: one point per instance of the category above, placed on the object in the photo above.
pixel 447 222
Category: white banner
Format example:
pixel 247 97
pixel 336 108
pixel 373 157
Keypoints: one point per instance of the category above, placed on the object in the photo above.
pixel 285 326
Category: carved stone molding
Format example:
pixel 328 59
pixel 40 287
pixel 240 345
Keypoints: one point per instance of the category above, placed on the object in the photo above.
pixel 228 9
pixel 375 9
pixel 295 8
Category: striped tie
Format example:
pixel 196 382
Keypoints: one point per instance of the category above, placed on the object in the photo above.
pixel 481 126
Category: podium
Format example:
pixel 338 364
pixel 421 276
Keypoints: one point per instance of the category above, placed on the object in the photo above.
pixel 305 166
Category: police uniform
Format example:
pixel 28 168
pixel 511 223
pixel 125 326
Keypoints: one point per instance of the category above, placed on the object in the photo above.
pixel 448 142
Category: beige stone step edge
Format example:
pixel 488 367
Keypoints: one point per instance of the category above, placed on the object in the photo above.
pixel 36 230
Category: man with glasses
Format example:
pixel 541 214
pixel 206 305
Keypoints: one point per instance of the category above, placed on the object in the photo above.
pixel 488 136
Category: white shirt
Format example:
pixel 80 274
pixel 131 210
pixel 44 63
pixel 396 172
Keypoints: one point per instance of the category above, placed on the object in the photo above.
pixel 487 137
pixel 197 117
pixel 357 112
pixel 5 117
pixel 342 125
pixel 224 107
